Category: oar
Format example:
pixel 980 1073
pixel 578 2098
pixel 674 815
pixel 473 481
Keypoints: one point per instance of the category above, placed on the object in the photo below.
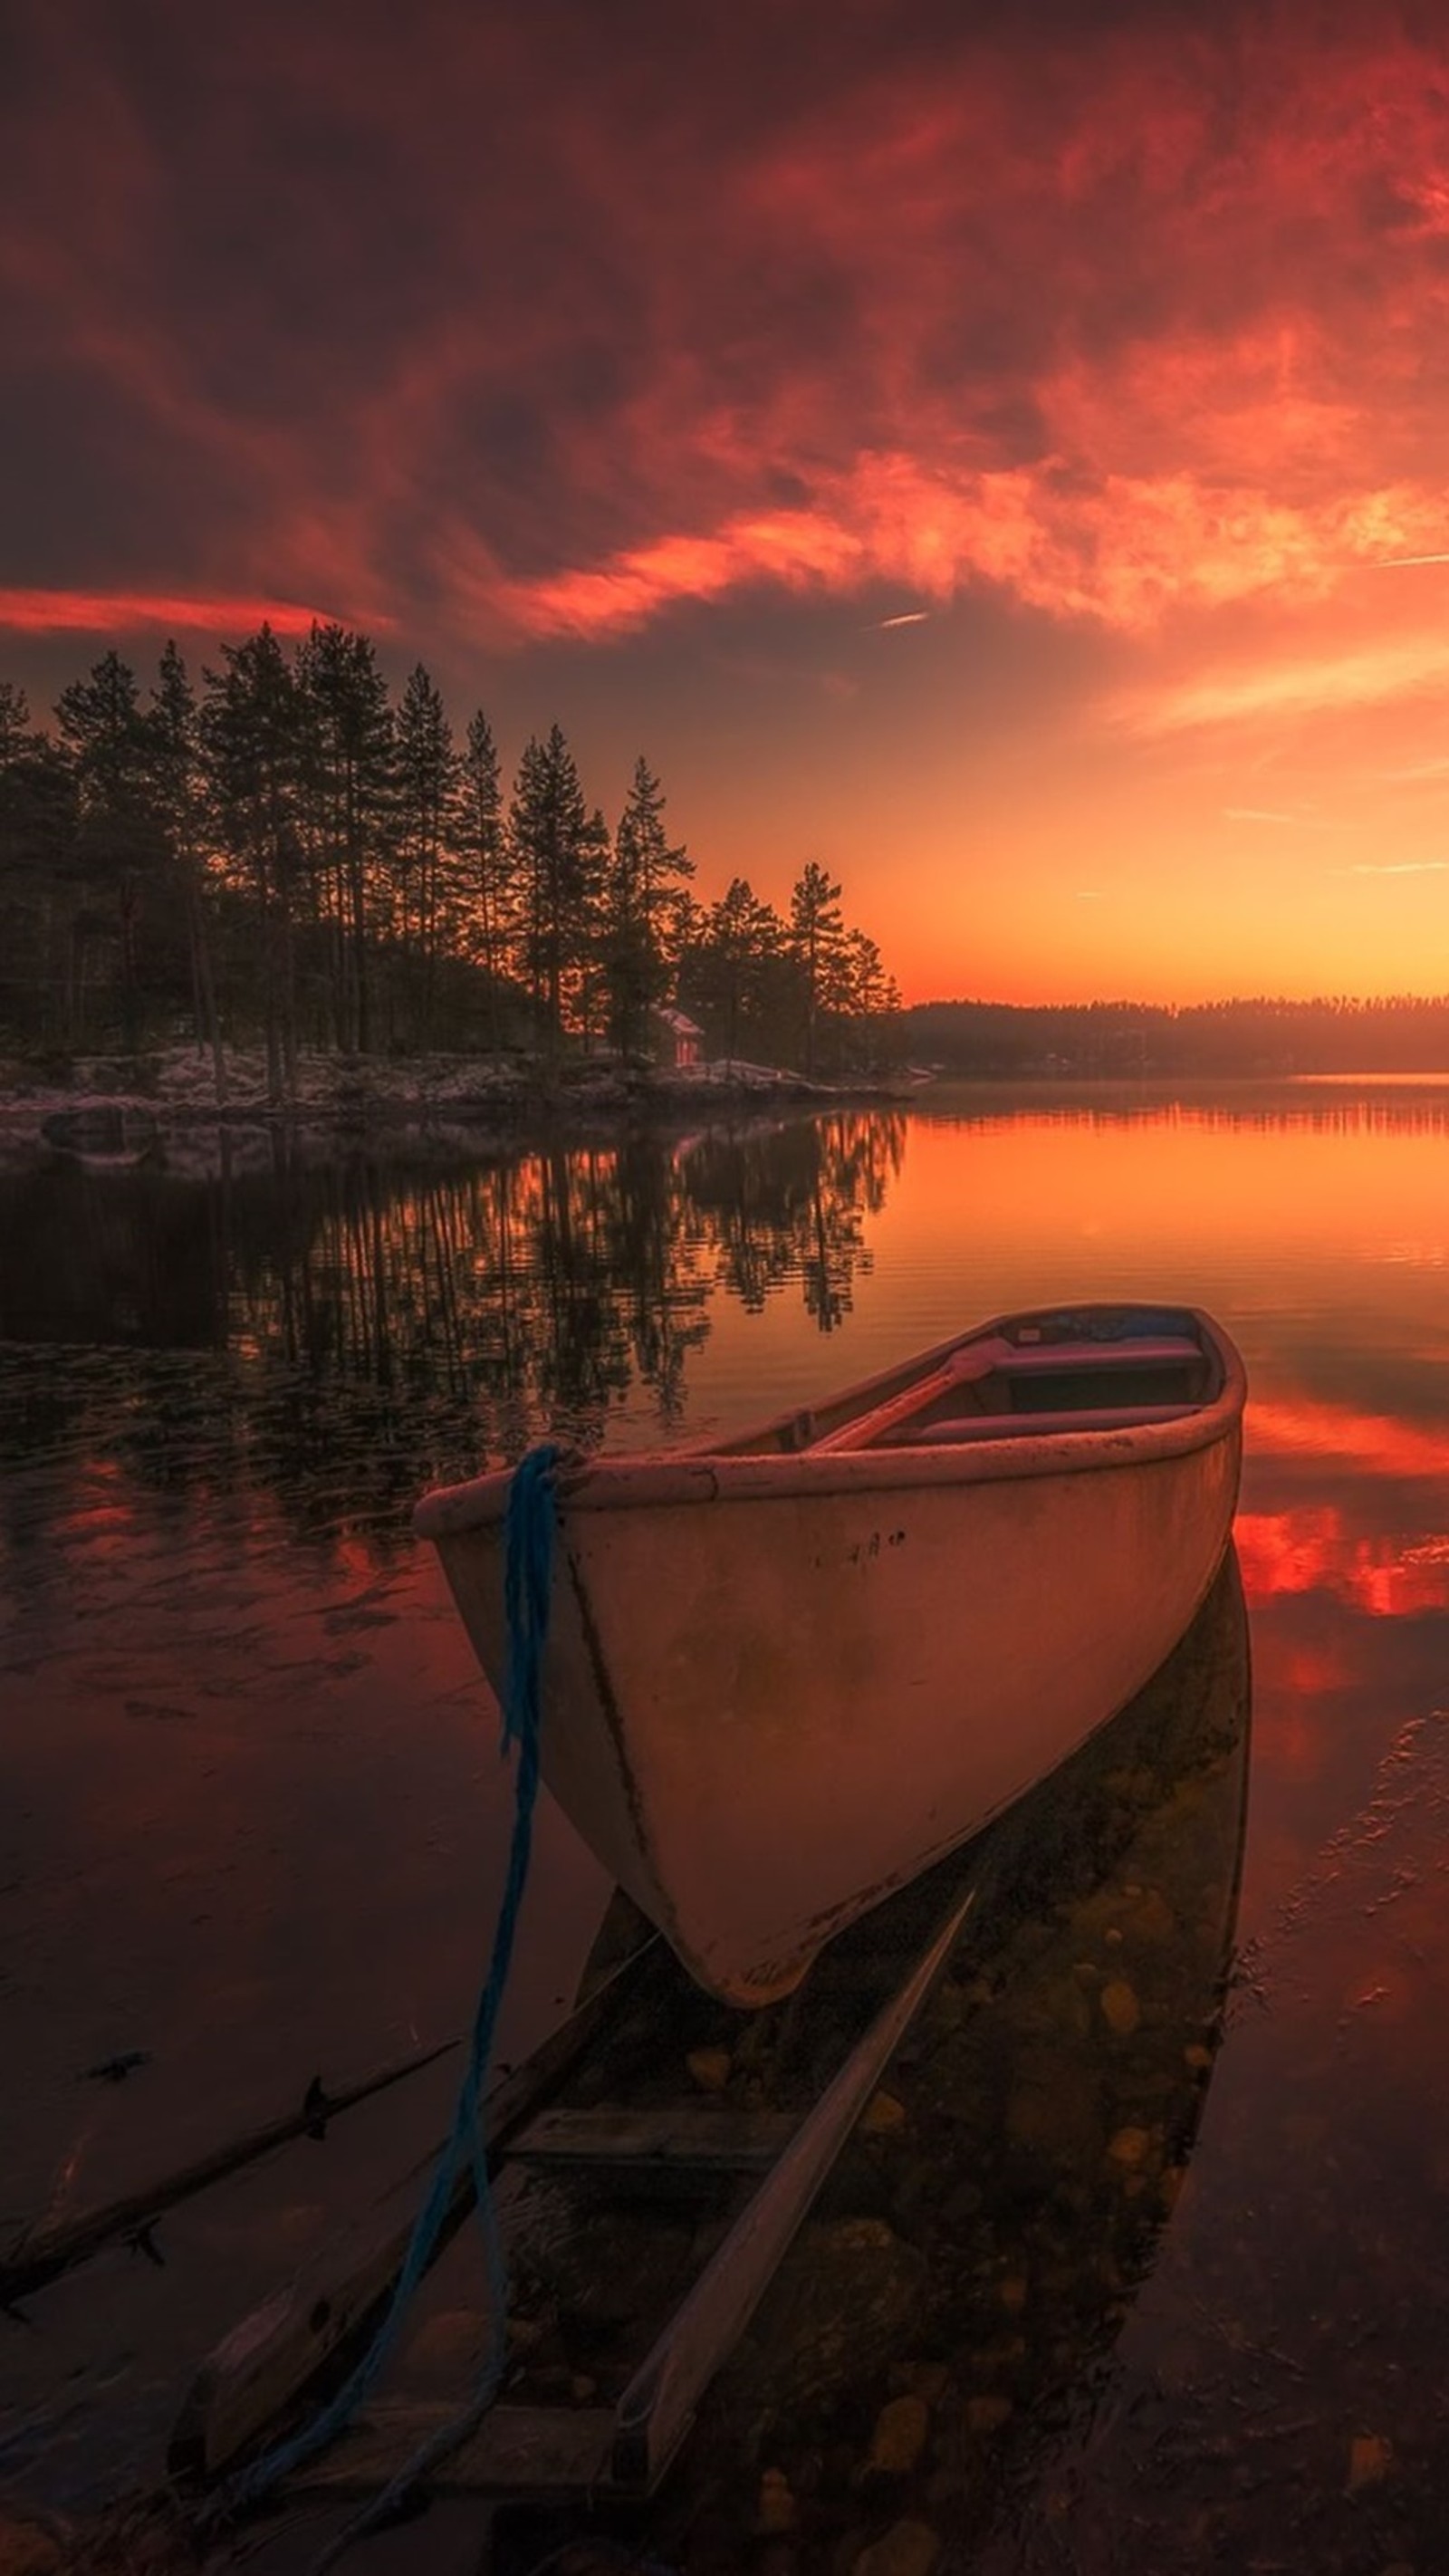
pixel 40 2254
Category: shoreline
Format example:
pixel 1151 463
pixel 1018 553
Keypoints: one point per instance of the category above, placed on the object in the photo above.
pixel 170 1096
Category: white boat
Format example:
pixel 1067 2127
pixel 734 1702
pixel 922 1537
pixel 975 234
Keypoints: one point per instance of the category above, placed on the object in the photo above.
pixel 788 1671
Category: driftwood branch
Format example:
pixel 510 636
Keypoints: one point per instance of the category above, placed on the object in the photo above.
pixel 41 2254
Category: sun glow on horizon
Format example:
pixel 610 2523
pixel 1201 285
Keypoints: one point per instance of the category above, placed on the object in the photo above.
pixel 1070 630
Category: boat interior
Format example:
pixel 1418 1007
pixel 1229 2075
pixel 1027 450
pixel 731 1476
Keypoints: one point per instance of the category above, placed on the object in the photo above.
pixel 1029 1376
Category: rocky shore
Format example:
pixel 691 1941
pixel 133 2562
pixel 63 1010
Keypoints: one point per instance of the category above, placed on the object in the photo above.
pixel 171 1096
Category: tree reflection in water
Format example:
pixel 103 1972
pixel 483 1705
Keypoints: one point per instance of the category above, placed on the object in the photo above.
pixel 374 1323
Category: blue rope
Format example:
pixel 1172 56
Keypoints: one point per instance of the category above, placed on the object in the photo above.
pixel 529 1538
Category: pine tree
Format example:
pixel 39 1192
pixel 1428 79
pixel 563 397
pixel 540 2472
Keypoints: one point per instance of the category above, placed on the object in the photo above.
pixel 641 891
pixel 488 873
pixel 251 734
pixel 39 826
pixel 555 849
pixel 740 940
pixel 349 779
pixel 814 937
pixel 178 786
pixel 427 775
pixel 14 723
pixel 107 740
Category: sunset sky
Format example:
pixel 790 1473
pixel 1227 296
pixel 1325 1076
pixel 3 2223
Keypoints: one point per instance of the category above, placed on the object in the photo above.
pixel 1011 468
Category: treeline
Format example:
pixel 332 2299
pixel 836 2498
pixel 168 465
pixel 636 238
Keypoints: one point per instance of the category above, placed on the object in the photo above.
pixel 286 853
pixel 1400 1034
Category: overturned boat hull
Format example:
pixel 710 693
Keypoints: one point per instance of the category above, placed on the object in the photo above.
pixel 786 1675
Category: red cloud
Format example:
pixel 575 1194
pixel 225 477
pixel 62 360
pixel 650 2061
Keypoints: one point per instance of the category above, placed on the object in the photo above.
pixel 1120 327
pixel 1374 1443
pixel 38 612
pixel 1313 1550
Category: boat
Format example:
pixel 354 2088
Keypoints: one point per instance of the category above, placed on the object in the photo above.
pixel 802 2200
pixel 789 1671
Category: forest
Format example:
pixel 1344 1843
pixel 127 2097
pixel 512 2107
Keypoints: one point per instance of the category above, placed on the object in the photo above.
pixel 285 854
pixel 1399 1033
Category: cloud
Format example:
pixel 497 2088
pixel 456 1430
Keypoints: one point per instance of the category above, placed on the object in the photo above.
pixel 1316 685
pixel 37 612
pixel 325 309
pixel 1395 868
pixel 1121 554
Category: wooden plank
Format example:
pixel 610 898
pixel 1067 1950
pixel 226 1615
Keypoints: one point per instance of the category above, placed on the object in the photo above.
pixel 707 2136
pixel 517 2450
pixel 657 2407
pixel 964 1368
pixel 41 2254
pixel 267 2360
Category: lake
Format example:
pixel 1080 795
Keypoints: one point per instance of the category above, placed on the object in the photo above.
pixel 254 1819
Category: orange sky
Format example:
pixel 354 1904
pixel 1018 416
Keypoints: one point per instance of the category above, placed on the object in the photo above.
pixel 1009 470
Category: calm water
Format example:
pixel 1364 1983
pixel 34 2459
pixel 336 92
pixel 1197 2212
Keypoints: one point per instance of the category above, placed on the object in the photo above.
pixel 252 1818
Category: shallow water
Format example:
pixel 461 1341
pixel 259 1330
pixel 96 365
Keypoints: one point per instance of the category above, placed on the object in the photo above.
pixel 253 1818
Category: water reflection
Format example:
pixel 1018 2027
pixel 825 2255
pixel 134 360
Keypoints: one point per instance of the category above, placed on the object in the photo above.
pixel 976 2250
pixel 234 1703
pixel 470 1303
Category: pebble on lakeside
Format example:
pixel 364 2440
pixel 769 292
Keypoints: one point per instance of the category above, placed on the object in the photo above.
pixel 907 2549
pixel 882 2116
pixel 775 2510
pixel 710 2068
pixel 899 2437
pixel 1121 2010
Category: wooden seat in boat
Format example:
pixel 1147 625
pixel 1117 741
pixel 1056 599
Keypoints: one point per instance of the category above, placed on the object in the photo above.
pixel 1029 1426
pixel 977 1384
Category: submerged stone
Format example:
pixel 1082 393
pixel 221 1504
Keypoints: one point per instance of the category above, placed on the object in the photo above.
pixel 1121 2010
pixel 899 2437
pixel 710 2068
pixel 907 2549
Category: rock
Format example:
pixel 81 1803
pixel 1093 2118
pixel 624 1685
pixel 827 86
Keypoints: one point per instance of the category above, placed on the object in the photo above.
pixel 1129 2148
pixel 27 2549
pixel 710 2068
pixel 1121 2010
pixel 899 2438
pixel 1153 1918
pixel 447 2346
pixel 856 2286
pixel 1370 2458
pixel 882 2116
pixel 907 2549
pixel 775 2511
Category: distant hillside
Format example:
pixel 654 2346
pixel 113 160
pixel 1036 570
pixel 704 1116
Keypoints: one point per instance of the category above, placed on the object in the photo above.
pixel 1402 1034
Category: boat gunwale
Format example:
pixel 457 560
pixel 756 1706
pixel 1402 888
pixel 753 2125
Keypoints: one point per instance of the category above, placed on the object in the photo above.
pixel 740 1473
